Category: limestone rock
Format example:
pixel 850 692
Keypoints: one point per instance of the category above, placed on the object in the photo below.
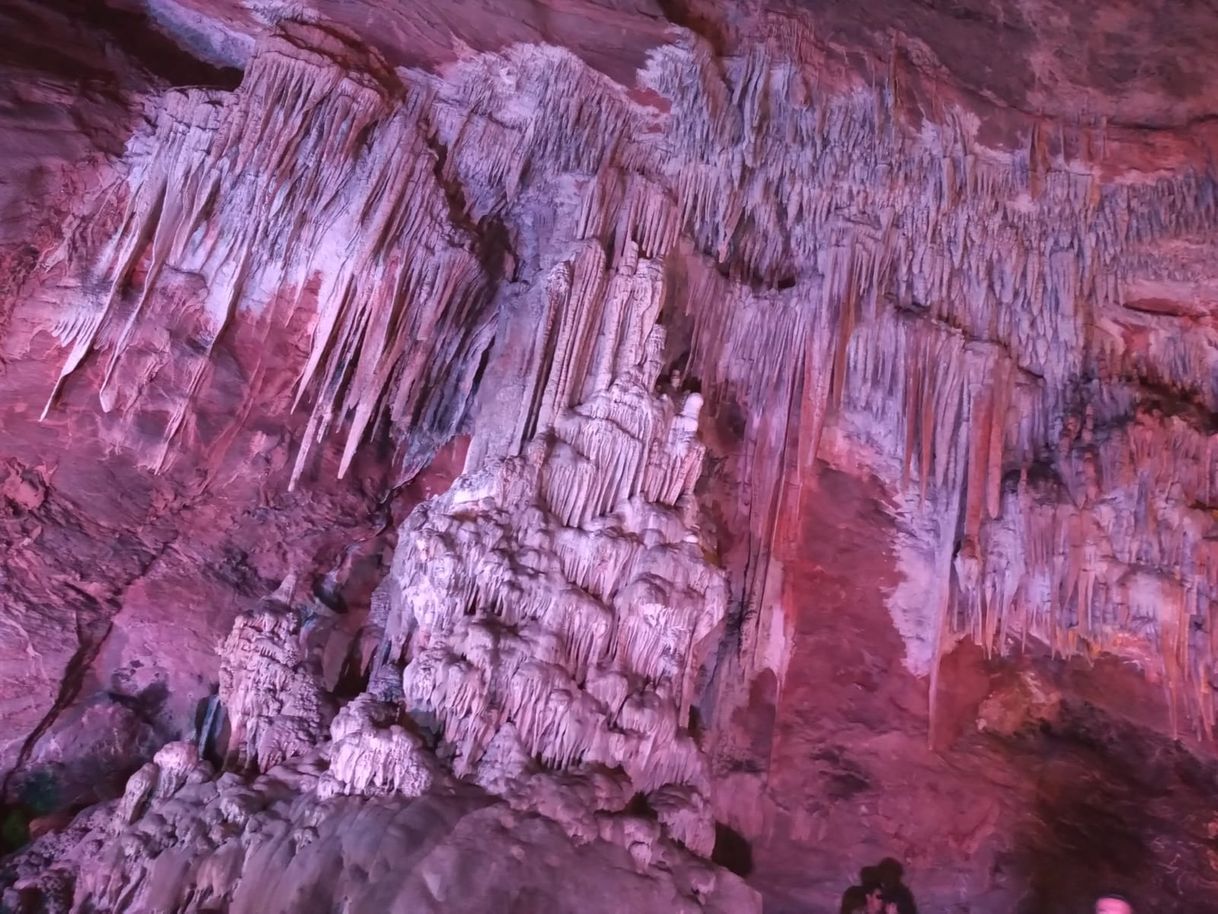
pixel 779 343
pixel 554 609
pixel 276 707
pixel 372 755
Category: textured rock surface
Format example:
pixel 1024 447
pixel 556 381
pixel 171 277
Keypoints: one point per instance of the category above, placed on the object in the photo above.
pixel 265 846
pixel 781 389
pixel 553 610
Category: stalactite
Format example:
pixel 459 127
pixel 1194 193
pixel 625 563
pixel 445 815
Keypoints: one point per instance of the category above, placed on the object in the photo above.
pixel 310 172
pixel 840 270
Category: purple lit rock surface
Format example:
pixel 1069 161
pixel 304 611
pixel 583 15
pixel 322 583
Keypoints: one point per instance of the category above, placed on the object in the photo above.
pixel 607 455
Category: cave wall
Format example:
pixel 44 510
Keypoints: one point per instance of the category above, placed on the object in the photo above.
pixel 275 276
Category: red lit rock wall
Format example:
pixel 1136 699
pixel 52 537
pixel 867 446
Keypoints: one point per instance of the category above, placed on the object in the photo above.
pixel 739 357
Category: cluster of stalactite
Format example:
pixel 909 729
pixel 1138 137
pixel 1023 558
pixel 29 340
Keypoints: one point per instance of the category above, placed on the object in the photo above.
pixel 841 271
pixel 311 189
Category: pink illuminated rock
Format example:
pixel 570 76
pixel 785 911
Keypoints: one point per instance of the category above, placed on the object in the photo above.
pixel 552 610
pixel 373 755
pixel 675 425
pixel 274 702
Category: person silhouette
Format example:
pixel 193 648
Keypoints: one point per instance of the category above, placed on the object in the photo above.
pixel 890 875
pixel 880 890
pixel 858 898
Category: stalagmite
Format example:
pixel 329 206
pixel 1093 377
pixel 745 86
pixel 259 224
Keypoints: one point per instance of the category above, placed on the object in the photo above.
pixel 271 693
pixel 554 608
pixel 371 754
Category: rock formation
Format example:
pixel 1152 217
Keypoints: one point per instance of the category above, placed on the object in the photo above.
pixel 961 308
pixel 274 702
pixel 554 609
pixel 575 387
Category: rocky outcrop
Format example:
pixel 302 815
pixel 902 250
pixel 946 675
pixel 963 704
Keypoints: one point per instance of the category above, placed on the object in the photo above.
pixel 542 625
pixel 263 852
